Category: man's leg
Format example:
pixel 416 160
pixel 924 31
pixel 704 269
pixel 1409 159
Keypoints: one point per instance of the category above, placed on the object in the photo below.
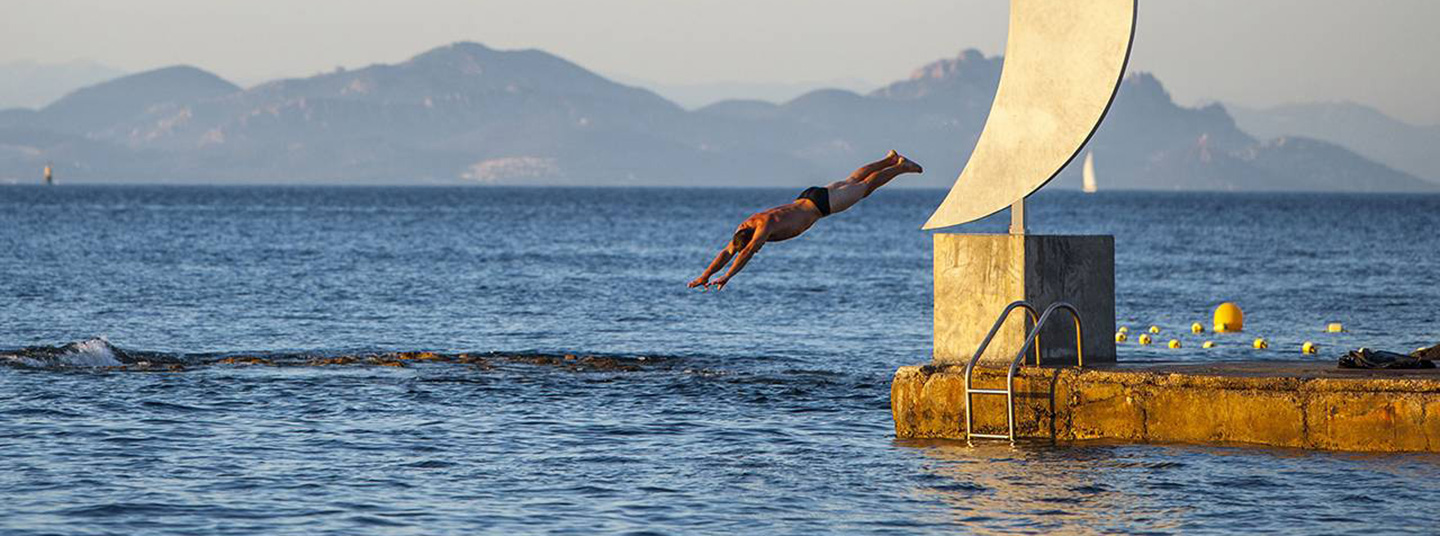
pixel 844 194
pixel 879 178
pixel 866 170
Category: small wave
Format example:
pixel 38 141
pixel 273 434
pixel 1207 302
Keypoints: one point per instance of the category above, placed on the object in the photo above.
pixel 94 352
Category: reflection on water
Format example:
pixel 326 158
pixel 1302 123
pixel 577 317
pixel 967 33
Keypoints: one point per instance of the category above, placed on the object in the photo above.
pixel 996 488
pixel 1100 488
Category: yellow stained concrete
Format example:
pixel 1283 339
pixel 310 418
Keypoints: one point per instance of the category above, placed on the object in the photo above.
pixel 1300 405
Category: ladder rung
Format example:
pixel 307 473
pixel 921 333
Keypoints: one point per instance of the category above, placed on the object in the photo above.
pixel 989 391
pixel 990 436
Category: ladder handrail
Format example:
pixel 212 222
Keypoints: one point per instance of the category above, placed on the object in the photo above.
pixel 995 328
pixel 975 358
pixel 1030 341
pixel 1019 358
pixel 1035 335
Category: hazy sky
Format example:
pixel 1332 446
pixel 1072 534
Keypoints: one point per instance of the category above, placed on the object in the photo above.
pixel 1255 52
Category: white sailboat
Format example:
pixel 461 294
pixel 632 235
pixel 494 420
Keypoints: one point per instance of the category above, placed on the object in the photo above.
pixel 1089 172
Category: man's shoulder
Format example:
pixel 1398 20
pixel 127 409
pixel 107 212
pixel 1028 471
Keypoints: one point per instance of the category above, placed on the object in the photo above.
pixel 763 217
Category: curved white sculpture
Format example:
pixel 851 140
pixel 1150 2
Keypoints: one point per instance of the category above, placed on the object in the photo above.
pixel 1064 60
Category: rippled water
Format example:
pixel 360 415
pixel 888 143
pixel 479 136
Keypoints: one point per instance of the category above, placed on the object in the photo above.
pixel 275 379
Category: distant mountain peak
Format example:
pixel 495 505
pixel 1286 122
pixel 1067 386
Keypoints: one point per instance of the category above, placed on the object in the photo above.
pixel 468 53
pixel 951 67
pixel 181 70
pixel 465 47
pixel 464 54
pixel 171 76
pixel 106 103
pixel 967 73
pixel 1145 83
pixel 471 58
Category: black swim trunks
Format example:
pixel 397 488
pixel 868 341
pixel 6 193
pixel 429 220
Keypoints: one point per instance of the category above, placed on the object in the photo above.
pixel 818 195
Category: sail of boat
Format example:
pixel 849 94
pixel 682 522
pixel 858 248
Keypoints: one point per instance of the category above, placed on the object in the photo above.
pixel 49 175
pixel 1089 172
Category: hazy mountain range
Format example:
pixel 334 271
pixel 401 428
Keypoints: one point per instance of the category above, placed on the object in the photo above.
pixel 468 113
pixel 1403 146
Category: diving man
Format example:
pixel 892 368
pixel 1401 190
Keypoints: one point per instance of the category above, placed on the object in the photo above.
pixel 791 220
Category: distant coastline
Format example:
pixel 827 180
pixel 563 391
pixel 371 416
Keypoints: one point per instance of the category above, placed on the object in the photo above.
pixel 466 113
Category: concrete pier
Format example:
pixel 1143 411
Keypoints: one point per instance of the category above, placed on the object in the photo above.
pixel 1303 405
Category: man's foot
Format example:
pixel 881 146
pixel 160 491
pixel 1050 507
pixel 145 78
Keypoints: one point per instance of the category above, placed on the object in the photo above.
pixel 909 165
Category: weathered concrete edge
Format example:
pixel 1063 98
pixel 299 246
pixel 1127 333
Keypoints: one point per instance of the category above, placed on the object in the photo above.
pixel 1355 414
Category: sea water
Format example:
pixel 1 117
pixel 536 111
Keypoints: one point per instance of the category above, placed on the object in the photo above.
pixel 261 385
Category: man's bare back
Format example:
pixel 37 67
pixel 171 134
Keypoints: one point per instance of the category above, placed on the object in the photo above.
pixel 793 219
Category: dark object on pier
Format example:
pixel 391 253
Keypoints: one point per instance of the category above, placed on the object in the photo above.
pixel 1366 358
pixel 1430 354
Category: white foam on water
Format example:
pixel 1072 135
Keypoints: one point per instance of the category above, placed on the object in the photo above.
pixel 96 352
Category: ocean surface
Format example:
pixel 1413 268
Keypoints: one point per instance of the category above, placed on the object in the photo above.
pixel 294 360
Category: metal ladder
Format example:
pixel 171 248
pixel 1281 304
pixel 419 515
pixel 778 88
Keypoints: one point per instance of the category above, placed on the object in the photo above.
pixel 1009 390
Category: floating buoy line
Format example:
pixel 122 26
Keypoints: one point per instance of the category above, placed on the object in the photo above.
pixel 1228 318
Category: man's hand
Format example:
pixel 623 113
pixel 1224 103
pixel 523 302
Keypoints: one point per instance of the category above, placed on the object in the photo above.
pixel 699 281
pixel 718 283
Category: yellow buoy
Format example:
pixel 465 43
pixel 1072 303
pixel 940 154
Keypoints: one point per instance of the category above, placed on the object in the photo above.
pixel 1197 328
pixel 1260 343
pixel 1229 318
pixel 1309 348
pixel 1144 338
pixel 1120 337
pixel 1174 343
pixel 1154 329
pixel 1208 344
pixel 1335 327
pixel 1124 329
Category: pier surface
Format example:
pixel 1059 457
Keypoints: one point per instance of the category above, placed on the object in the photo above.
pixel 1303 405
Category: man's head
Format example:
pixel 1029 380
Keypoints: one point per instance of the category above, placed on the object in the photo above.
pixel 741 239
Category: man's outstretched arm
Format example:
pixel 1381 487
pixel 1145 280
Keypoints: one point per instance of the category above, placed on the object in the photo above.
pixel 715 265
pixel 761 233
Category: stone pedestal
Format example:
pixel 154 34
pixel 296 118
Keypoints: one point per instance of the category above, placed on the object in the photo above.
pixel 977 275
